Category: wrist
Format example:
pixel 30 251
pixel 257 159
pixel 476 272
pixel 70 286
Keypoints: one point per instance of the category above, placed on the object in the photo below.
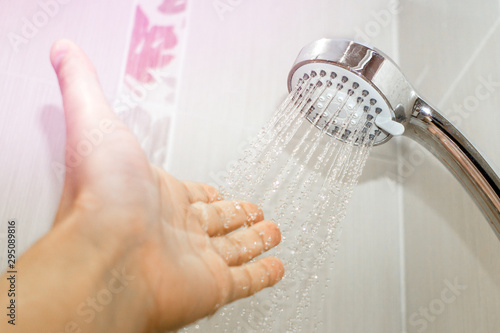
pixel 70 285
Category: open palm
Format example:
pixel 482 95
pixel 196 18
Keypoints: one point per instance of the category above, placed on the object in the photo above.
pixel 180 245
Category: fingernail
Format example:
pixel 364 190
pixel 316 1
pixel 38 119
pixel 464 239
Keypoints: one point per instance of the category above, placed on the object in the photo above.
pixel 60 52
pixel 58 58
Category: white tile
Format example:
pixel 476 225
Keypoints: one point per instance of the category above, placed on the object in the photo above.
pixel 446 235
pixel 364 295
pixel 33 136
pixel 234 76
pixel 100 28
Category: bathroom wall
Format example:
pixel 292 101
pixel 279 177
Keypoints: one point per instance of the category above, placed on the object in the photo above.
pixel 234 75
pixel 32 130
pixel 411 232
pixel 451 49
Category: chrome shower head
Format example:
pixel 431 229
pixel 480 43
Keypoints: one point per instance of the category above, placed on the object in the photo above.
pixel 362 80
pixel 356 70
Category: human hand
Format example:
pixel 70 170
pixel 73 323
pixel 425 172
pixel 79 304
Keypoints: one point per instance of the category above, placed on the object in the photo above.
pixel 172 241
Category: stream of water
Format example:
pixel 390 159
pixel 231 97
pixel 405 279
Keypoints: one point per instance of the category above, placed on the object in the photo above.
pixel 301 169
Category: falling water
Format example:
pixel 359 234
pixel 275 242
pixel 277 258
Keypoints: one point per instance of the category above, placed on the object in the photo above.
pixel 302 169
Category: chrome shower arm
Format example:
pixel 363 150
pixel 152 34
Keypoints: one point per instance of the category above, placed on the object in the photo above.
pixel 433 131
pixel 421 122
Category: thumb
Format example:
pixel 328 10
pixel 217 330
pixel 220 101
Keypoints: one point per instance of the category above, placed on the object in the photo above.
pixel 84 102
pixel 99 147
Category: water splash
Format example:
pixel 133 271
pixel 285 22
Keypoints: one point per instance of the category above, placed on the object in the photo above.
pixel 302 169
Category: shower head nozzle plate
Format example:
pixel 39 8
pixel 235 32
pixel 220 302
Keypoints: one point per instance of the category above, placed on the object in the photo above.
pixel 363 81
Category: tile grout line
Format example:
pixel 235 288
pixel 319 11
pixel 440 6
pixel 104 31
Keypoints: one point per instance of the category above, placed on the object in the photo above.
pixel 130 32
pixel 469 63
pixel 180 72
pixel 402 244
pixel 400 196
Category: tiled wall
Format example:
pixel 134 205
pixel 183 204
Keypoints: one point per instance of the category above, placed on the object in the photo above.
pixel 148 98
pixel 32 130
pixel 451 48
pixel 234 76
pixel 196 79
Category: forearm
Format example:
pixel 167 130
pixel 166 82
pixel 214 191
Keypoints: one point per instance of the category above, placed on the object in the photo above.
pixel 65 285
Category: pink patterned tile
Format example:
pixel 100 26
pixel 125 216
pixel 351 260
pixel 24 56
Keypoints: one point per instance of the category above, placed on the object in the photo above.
pixel 148 96
pixel 151 47
pixel 172 6
pixel 152 133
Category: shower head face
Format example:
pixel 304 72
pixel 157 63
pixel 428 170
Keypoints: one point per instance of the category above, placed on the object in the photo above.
pixel 363 85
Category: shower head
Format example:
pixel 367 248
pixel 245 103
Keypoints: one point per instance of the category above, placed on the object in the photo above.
pixel 363 81
pixel 357 81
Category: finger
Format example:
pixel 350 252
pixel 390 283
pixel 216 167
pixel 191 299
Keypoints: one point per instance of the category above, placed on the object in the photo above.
pixel 202 192
pixel 246 244
pixel 222 217
pixel 98 145
pixel 84 102
pixel 84 106
pixel 255 276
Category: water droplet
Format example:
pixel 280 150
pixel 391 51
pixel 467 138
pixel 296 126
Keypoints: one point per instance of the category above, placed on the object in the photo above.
pixel 296 173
